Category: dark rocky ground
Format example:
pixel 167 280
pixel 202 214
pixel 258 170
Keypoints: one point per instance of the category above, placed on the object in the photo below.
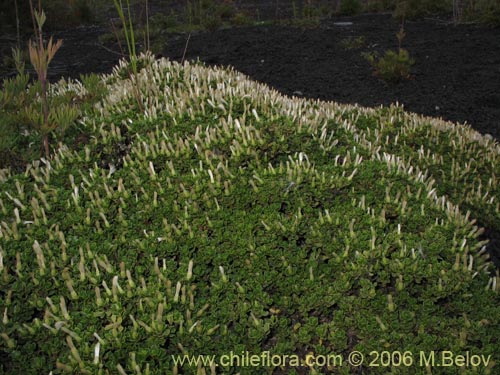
pixel 456 73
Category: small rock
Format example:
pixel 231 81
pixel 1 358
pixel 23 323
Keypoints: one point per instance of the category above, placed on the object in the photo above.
pixel 347 23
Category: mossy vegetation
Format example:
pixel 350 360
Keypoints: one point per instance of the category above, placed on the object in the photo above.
pixel 226 217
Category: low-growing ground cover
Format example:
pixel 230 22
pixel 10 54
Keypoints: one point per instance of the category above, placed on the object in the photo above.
pixel 227 217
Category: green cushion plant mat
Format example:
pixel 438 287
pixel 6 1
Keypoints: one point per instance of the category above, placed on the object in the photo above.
pixel 229 218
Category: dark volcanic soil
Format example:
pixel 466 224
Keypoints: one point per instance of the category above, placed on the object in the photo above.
pixel 456 73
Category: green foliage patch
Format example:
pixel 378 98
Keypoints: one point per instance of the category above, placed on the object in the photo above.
pixel 226 217
pixel 393 66
pixel 353 42
pixel 21 115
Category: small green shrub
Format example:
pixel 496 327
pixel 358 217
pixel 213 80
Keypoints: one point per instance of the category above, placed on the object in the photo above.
pixel 95 88
pixel 13 125
pixel 61 116
pixel 393 66
pixel 353 42
pixel 9 62
pixel 41 114
pixel 22 123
